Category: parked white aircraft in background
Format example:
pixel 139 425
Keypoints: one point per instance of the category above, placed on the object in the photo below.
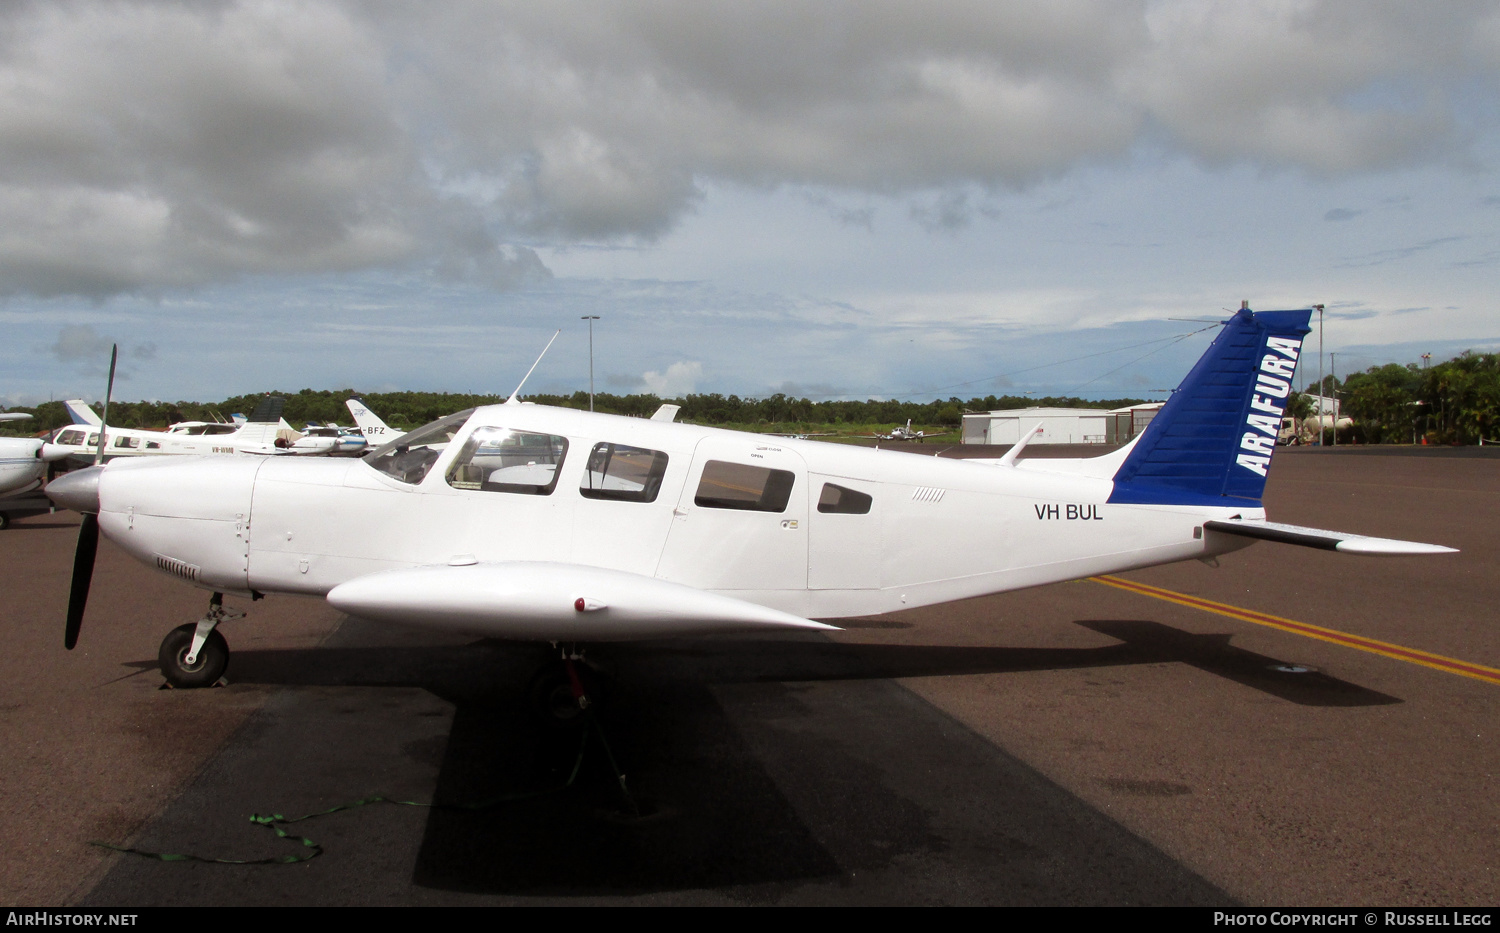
pixel 23 469
pixel 377 432
pixel 530 522
pixel 899 433
pixel 265 432
pixel 341 440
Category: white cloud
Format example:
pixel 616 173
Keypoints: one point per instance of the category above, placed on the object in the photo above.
pixel 680 379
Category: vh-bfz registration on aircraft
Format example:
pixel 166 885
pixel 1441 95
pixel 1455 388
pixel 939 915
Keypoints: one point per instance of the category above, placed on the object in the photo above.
pixel 537 523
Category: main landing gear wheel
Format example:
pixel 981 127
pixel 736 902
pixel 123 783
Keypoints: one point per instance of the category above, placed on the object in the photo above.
pixel 563 694
pixel 4 521
pixel 206 668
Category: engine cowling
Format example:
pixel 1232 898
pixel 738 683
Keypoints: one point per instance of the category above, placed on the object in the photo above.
pixel 186 516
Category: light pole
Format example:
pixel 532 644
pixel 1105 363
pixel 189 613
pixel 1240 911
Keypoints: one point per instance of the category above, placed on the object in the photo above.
pixel 1320 374
pixel 591 318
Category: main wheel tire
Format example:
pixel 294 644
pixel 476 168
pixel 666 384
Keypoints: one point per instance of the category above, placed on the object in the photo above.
pixel 212 660
pixel 551 695
pixel 4 521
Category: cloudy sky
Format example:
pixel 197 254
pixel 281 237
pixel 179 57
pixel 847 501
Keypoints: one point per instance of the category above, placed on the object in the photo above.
pixel 829 199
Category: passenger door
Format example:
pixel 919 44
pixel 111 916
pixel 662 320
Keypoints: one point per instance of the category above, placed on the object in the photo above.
pixel 741 521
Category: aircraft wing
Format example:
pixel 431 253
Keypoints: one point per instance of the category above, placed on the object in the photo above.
pixel 1326 540
pixel 14 416
pixel 549 601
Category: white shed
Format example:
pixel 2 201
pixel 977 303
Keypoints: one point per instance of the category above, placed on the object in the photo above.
pixel 1059 426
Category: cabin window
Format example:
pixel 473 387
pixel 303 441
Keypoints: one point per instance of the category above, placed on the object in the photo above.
pixel 625 474
pixel 410 456
pixel 72 438
pixel 94 440
pixel 498 459
pixel 740 486
pixel 153 445
pixel 129 442
pixel 839 500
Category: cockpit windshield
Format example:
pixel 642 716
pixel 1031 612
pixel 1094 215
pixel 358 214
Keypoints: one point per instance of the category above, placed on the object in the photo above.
pixel 410 456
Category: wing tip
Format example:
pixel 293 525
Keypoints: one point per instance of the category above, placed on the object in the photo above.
pixel 1388 547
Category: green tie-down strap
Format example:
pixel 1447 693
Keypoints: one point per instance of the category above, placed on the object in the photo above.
pixel 276 821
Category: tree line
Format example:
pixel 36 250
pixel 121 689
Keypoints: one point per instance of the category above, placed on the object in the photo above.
pixel 409 409
pixel 1453 402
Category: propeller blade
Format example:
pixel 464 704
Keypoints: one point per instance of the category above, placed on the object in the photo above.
pixel 83 572
pixel 109 390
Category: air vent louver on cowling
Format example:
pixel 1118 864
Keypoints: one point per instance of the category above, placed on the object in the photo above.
pixel 177 568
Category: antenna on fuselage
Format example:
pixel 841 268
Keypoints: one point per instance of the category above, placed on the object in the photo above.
pixel 512 400
pixel 1010 455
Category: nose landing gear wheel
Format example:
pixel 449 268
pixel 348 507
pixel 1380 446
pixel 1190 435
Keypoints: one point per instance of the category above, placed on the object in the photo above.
pixel 205 670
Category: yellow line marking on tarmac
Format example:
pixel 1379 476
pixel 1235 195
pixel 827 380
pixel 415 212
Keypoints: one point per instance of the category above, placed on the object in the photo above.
pixel 1398 652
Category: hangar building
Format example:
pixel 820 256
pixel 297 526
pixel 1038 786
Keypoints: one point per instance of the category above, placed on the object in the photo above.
pixel 1059 425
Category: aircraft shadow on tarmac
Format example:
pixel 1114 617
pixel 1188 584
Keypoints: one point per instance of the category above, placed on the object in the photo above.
pixel 463 668
pixel 763 762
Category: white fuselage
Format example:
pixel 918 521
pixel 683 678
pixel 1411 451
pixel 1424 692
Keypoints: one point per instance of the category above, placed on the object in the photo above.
pixel 82 440
pixel 933 530
pixel 21 470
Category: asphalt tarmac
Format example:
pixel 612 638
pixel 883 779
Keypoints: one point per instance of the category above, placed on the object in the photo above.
pixel 1073 744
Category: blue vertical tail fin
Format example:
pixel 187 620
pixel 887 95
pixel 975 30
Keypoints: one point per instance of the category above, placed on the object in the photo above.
pixel 1211 443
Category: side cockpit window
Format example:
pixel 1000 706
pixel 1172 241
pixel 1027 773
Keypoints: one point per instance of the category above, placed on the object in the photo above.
pixel 409 457
pixel 496 459
pixel 624 474
pixel 840 500
pixel 740 486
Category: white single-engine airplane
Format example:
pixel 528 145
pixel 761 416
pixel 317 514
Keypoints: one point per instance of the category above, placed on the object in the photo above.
pixel 537 523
